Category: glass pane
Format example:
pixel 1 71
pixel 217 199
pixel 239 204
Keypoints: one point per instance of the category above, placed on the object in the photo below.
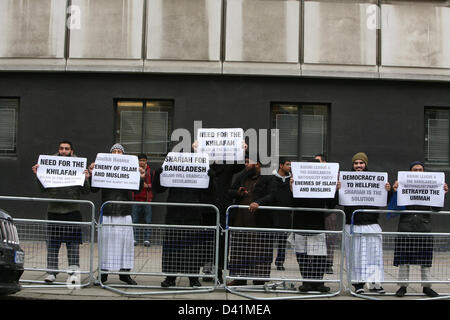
pixel 288 133
pixel 438 140
pixel 131 130
pixel 7 129
pixel 156 129
pixel 312 137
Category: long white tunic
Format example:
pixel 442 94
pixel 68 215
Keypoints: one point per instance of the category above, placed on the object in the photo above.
pixel 117 244
pixel 366 254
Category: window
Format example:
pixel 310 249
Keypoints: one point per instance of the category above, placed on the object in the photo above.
pixel 303 129
pixel 9 110
pixel 437 142
pixel 144 126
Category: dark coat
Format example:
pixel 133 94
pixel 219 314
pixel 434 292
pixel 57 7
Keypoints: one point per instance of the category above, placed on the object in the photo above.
pixel 278 194
pixel 117 195
pixel 261 218
pixel 185 215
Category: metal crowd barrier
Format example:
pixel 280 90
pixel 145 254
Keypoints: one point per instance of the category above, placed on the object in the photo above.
pixel 376 258
pixel 250 255
pixel 174 250
pixel 41 241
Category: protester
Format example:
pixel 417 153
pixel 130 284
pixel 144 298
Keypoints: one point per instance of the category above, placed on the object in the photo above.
pixel 117 241
pixel 184 249
pixel 415 249
pixel 143 212
pixel 63 211
pixel 251 253
pixel 279 195
pixel 330 224
pixel 312 259
pixel 367 250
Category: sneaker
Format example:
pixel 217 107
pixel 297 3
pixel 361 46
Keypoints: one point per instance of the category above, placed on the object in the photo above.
pixel 127 279
pixel 193 282
pixel 401 292
pixel 329 270
pixel 168 282
pixel 430 292
pixel 50 278
pixel 104 277
pixel 379 290
pixel 146 243
pixel 359 288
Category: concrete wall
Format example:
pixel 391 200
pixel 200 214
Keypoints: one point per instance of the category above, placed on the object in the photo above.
pixel 415 35
pixel 186 31
pixel 32 34
pixel 343 38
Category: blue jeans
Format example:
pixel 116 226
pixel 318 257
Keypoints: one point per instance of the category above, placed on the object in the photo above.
pixel 137 213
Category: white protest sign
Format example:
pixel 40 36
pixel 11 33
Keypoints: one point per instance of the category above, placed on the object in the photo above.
pixel 221 144
pixel 314 180
pixel 116 171
pixel 421 188
pixel 185 170
pixel 362 188
pixel 58 171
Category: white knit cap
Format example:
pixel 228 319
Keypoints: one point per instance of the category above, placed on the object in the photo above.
pixel 117 146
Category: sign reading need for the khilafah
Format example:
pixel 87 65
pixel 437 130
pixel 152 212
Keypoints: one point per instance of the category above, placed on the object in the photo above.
pixel 185 170
pixel 363 188
pixel 420 188
pixel 221 144
pixel 314 180
pixel 116 171
pixel 57 171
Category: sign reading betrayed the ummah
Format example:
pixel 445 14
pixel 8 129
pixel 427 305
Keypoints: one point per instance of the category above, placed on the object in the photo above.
pixel 57 171
pixel 362 188
pixel 221 144
pixel 420 188
pixel 314 180
pixel 185 170
pixel 116 171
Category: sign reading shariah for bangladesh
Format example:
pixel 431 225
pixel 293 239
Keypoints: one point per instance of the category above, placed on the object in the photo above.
pixel 58 171
pixel 185 170
pixel 421 188
pixel 363 188
pixel 116 171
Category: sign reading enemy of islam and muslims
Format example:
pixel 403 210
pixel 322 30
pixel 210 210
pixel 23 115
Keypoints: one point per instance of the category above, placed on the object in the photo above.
pixel 116 171
pixel 185 170
pixel 314 180
pixel 57 171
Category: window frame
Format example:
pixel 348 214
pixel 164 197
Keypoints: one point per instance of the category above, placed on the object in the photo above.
pixel 117 128
pixel 300 113
pixel 6 153
pixel 434 164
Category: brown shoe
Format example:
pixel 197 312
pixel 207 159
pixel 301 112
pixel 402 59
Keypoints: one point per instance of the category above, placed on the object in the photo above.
pixel 237 282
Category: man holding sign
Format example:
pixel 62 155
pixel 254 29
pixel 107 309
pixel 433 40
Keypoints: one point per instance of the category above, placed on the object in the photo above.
pixel 186 176
pixel 416 190
pixel 117 176
pixel 59 211
pixel 367 250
